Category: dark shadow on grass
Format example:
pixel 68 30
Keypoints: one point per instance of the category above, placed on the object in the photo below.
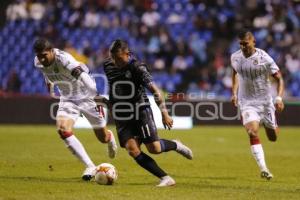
pixel 211 177
pixel 137 184
pixel 204 184
pixel 62 180
pixel 42 179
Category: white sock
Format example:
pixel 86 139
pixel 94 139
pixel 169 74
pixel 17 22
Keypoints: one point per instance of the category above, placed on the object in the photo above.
pixel 78 150
pixel 258 154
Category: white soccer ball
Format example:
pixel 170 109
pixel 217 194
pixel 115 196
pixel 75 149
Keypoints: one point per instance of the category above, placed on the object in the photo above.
pixel 106 174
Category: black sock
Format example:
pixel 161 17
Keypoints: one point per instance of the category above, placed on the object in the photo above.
pixel 150 165
pixel 167 145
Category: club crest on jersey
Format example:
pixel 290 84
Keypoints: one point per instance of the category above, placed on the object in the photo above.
pixel 128 74
pixel 255 62
pixel 56 70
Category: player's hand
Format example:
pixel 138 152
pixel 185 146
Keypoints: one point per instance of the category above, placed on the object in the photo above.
pixel 102 100
pixel 279 105
pixel 167 120
pixel 234 100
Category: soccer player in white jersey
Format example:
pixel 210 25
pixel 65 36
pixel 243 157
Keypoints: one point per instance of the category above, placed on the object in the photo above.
pixel 252 68
pixel 77 91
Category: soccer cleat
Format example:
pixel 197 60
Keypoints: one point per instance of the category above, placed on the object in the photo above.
pixel 112 145
pixel 166 181
pixel 183 150
pixel 266 174
pixel 89 173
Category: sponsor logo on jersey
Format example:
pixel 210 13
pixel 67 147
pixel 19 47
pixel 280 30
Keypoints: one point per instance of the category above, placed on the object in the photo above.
pixel 247 115
pixel 56 70
pixel 128 74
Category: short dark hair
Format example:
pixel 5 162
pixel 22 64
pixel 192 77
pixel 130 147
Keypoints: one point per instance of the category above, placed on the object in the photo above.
pixel 118 44
pixel 41 45
pixel 244 33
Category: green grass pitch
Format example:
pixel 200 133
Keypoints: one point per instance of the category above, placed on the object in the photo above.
pixel 35 165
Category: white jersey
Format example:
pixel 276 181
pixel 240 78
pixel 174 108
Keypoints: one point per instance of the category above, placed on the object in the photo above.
pixel 253 74
pixel 59 73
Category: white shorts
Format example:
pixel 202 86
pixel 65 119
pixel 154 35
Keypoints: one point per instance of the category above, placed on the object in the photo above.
pixel 264 114
pixel 88 107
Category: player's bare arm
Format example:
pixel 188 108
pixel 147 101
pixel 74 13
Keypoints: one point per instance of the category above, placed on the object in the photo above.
pixel 280 90
pixel 234 87
pixel 160 102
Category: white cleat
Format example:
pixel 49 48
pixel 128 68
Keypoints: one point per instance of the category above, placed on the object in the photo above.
pixel 89 173
pixel 112 145
pixel 166 181
pixel 266 174
pixel 183 150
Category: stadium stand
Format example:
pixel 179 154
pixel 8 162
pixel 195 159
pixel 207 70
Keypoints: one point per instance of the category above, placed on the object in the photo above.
pixel 186 42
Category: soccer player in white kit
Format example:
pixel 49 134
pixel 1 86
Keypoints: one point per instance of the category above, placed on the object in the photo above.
pixel 77 92
pixel 252 68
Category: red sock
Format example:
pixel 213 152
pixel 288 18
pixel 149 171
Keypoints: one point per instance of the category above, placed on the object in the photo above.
pixel 254 140
pixel 65 134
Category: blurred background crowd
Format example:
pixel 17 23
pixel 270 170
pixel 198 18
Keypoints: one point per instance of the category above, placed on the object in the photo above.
pixel 187 43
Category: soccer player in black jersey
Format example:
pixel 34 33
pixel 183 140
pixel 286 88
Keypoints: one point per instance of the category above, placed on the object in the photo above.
pixel 131 111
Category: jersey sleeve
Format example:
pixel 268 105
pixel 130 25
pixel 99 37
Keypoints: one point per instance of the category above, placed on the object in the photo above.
pixel 234 62
pixel 272 66
pixel 37 63
pixel 67 60
pixel 144 75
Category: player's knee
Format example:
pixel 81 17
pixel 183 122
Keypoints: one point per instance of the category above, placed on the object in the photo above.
pixel 133 152
pixel 252 133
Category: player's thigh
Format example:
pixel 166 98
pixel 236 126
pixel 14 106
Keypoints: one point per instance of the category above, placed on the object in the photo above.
pixel 147 129
pixel 66 116
pixel 94 114
pixel 270 123
pixel 251 120
pixel 269 118
pixel 126 130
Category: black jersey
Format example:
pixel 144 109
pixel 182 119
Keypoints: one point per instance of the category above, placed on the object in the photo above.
pixel 127 84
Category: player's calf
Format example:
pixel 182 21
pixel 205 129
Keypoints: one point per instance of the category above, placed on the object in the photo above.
pixel 102 134
pixel 271 133
pixel 107 136
pixel 154 148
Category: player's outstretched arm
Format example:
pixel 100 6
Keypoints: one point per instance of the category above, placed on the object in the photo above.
pixel 234 87
pixel 280 90
pixel 160 102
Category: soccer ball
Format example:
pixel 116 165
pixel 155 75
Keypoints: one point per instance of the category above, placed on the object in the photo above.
pixel 106 174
